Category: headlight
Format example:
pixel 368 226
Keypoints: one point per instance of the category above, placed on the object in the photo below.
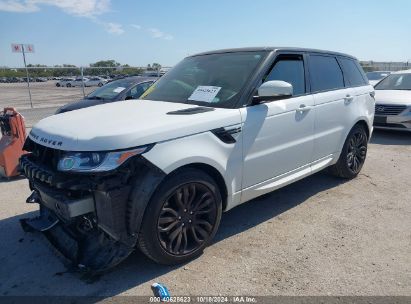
pixel 96 161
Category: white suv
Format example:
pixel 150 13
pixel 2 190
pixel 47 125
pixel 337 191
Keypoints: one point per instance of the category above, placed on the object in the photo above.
pixel 219 129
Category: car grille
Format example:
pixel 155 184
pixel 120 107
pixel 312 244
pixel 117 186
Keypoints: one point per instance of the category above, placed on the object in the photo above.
pixel 42 155
pixel 382 109
pixel 33 171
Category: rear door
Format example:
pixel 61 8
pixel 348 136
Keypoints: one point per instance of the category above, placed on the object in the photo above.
pixel 331 102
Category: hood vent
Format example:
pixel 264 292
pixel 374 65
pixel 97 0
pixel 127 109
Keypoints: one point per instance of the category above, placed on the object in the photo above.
pixel 190 111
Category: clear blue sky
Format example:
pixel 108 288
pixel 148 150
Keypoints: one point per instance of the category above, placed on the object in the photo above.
pixel 139 32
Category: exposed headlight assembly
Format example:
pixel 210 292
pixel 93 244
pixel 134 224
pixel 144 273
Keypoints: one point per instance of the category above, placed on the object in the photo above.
pixel 96 161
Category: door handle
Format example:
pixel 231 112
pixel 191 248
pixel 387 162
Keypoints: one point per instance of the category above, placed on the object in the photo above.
pixel 303 108
pixel 348 99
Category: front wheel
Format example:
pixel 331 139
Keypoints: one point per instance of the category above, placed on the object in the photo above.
pixel 353 154
pixel 68 85
pixel 182 217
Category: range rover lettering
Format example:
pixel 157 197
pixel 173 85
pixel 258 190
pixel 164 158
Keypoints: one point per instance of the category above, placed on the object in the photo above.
pixel 217 130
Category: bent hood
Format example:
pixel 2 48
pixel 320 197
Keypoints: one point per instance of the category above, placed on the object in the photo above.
pixel 126 124
pixel 393 97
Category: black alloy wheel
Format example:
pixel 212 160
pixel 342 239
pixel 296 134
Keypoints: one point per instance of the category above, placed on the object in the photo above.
pixel 357 150
pixel 181 218
pixel 187 219
pixel 353 154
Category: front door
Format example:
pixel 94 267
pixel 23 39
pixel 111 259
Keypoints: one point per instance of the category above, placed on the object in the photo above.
pixel 278 135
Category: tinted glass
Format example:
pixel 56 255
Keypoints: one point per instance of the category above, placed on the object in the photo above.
pixel 325 73
pixel 211 80
pixel 352 73
pixel 377 75
pixel 291 71
pixel 138 90
pixel 395 82
pixel 111 90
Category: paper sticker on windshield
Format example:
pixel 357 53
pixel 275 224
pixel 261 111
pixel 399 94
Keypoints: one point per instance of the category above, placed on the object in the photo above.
pixel 119 89
pixel 204 93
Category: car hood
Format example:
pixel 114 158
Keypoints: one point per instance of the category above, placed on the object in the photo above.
pixel 395 97
pixel 81 104
pixel 127 124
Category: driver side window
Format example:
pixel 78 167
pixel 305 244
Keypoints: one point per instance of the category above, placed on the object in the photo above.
pixel 138 90
pixel 289 69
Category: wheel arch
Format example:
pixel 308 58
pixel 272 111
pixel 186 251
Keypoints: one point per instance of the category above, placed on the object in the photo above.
pixel 214 174
pixel 363 123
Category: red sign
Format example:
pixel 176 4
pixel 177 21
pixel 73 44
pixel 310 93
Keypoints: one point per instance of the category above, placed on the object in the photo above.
pixel 18 48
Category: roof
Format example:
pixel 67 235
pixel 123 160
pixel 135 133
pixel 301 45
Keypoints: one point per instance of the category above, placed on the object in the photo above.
pixel 270 49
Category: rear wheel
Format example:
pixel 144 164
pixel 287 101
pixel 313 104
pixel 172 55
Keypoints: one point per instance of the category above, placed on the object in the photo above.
pixel 68 85
pixel 182 217
pixel 57 84
pixel 100 84
pixel 353 154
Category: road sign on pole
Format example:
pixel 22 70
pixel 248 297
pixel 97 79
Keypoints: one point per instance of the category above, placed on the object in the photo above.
pixel 24 48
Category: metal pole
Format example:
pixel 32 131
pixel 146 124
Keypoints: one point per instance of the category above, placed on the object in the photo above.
pixel 27 74
pixel 82 81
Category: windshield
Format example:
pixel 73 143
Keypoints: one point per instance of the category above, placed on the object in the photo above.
pixel 111 90
pixel 377 75
pixel 211 80
pixel 395 82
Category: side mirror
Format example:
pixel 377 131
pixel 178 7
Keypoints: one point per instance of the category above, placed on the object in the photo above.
pixel 273 90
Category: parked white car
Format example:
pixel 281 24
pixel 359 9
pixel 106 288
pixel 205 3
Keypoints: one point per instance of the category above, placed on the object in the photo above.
pixel 63 82
pixel 95 81
pixel 88 82
pixel 393 102
pixel 218 130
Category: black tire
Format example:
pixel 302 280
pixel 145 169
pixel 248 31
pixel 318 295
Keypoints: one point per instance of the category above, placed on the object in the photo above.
pixel 68 85
pixel 353 154
pixel 188 201
pixel 100 84
pixel 57 84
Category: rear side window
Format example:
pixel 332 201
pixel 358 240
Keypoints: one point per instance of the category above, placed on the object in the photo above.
pixel 325 73
pixel 351 72
pixel 291 70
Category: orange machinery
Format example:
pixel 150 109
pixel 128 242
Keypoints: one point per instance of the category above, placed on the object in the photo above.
pixel 13 132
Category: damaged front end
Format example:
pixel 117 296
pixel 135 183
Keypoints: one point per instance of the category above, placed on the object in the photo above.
pixel 92 219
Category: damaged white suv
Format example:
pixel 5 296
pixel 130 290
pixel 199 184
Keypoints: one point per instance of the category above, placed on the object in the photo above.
pixel 219 129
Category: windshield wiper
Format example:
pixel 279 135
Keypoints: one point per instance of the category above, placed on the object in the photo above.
pixel 94 97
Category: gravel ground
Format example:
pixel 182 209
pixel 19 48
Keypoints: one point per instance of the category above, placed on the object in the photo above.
pixel 319 236
pixel 44 95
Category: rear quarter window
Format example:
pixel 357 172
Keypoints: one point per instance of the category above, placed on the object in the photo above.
pixel 353 75
pixel 325 73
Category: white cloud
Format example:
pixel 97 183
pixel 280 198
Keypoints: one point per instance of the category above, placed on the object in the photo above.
pixel 136 26
pixel 157 34
pixel 114 28
pixel 82 8
pixel 17 6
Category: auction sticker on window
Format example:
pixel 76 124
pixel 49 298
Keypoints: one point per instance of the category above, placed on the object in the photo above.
pixel 119 89
pixel 204 93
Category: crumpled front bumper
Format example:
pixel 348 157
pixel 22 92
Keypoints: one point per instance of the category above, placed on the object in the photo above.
pixel 93 251
pixel 92 219
pixel 84 217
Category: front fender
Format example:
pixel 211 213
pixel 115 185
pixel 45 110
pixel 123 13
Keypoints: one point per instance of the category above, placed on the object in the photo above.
pixel 203 148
